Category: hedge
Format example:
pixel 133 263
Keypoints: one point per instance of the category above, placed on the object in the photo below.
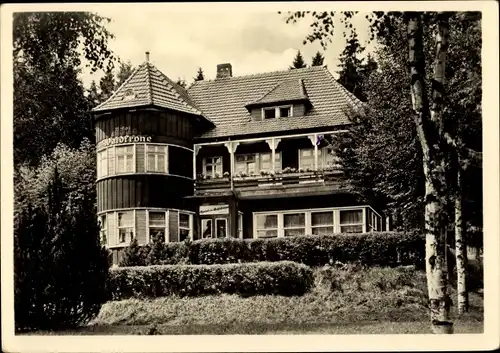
pixel 280 278
pixel 377 248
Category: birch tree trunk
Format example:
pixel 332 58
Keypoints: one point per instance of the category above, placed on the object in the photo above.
pixel 429 128
pixel 461 251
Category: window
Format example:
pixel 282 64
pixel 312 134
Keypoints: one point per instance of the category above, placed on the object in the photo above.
pixel 277 112
pixel 322 222
pixel 306 158
pixel 157 226
pixel 125 226
pixel 213 166
pixel 245 163
pixel 103 229
pixel 351 221
pixel 270 113
pixel 312 221
pixel 294 224
pixel 185 226
pixel 124 159
pixel 102 163
pixel 156 158
pixel 206 226
pixel 285 112
pixel 326 158
pixel 266 161
pixel 220 227
pixel 267 225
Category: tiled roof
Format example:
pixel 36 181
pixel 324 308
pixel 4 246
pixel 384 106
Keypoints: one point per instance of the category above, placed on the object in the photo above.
pixel 284 91
pixel 149 86
pixel 223 101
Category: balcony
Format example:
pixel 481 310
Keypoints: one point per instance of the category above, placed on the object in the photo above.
pixel 288 181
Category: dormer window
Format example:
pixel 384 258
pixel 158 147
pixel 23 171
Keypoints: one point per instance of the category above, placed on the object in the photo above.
pixel 277 112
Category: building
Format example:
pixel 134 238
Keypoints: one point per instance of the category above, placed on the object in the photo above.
pixel 245 157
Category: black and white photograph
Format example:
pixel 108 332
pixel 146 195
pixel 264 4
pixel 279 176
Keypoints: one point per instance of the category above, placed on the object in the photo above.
pixel 320 173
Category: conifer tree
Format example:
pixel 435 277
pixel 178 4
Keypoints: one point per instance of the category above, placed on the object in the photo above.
pixel 199 75
pixel 298 62
pixel 317 59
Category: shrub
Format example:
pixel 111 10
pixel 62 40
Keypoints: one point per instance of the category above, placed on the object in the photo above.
pixel 133 255
pixel 378 248
pixel 281 278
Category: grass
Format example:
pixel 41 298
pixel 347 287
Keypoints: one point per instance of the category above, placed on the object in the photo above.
pixel 343 301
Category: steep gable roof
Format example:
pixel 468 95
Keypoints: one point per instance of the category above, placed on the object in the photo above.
pixel 149 86
pixel 285 91
pixel 224 101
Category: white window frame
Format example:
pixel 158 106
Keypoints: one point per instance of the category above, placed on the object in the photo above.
pixel 240 225
pixel 156 153
pixel 301 158
pixel 246 162
pixel 213 166
pixel 215 226
pixel 148 226
pixel 256 230
pixel 323 225
pixel 102 172
pixel 190 221
pixel 202 230
pixel 103 229
pixel 308 218
pixel 292 228
pixel 277 111
pixel 125 161
pixel 362 223
pixel 118 227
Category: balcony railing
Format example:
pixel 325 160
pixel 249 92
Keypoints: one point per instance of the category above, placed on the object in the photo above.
pixel 308 178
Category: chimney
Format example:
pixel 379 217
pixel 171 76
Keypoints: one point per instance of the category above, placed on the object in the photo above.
pixel 224 70
pixel 147 56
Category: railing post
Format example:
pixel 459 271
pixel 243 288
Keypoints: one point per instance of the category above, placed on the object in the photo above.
pixel 273 144
pixel 314 141
pixel 231 147
pixel 196 149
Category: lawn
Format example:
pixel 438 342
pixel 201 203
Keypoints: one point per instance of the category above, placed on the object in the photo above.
pixel 343 301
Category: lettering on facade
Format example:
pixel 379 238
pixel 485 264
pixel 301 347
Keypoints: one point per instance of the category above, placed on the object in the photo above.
pixel 123 139
pixel 214 209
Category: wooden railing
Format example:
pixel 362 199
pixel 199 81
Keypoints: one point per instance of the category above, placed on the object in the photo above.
pixel 278 180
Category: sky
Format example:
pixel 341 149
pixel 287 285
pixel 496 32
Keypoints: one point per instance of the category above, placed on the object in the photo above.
pixel 180 39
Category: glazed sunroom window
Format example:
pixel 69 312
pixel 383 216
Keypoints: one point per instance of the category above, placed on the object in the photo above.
pixel 351 221
pixel 267 225
pixel 294 224
pixel 322 223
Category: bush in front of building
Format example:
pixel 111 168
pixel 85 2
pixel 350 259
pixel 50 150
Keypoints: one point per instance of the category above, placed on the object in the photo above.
pixel 377 248
pixel 246 279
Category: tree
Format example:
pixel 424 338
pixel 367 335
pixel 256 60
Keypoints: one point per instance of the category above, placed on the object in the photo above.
pixel 93 95
pixel 351 65
pixel 181 83
pixel 199 75
pixel 60 268
pixel 435 140
pixel 49 101
pixel 317 59
pixel 298 62
pixel 107 85
pixel 124 72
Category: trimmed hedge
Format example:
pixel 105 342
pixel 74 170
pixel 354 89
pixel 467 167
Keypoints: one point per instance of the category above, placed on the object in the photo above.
pixel 280 278
pixel 377 248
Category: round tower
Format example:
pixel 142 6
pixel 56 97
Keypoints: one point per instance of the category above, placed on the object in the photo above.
pixel 144 143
